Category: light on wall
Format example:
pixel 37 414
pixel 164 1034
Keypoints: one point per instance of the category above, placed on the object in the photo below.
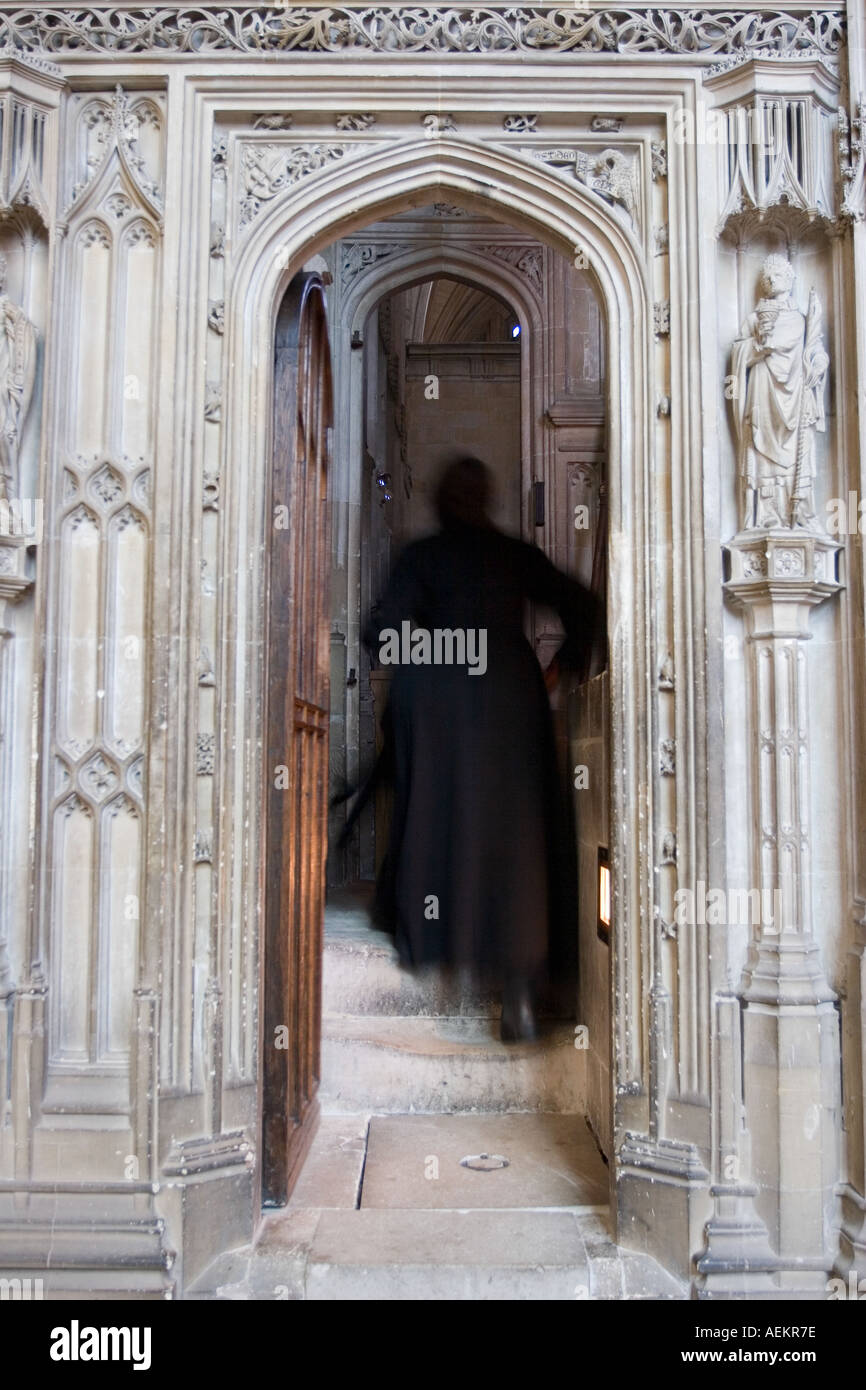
pixel 515 330
pixel 603 895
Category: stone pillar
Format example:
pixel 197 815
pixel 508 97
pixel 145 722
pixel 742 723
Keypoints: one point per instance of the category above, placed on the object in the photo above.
pixel 791 1049
pixel 14 583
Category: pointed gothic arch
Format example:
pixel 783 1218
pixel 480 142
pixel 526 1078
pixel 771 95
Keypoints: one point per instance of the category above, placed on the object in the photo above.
pixel 371 188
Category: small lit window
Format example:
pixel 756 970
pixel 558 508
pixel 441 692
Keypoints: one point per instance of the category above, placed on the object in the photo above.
pixel 515 330
pixel 604 913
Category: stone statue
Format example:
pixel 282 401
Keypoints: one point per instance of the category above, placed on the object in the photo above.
pixel 779 367
pixel 17 372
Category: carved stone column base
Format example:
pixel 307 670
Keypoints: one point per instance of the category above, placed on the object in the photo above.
pixel 662 1200
pixel 738 1260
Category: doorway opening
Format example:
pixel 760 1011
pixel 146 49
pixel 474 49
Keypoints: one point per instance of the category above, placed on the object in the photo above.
pixel 449 333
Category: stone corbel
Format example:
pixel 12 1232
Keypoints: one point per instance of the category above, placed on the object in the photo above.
pixel 14 580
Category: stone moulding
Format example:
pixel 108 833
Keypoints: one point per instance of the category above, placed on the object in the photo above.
pixel 165 30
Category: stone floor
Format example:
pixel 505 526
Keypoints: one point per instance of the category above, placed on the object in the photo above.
pixel 446 1165
pixel 384 1209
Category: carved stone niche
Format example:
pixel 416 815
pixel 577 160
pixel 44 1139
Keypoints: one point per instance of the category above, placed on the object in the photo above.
pixel 773 121
pixel 29 93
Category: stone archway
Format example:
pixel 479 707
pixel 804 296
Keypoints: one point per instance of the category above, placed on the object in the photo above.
pixel 298 228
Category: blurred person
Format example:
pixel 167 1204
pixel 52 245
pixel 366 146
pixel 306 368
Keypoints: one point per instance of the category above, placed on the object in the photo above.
pixel 480 871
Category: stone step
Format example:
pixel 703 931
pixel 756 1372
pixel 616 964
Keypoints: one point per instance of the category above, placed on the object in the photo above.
pixel 415 1255
pixel 399 1065
pixel 437 1255
pixel 362 975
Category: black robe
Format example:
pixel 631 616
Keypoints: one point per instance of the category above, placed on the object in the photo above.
pixel 480 870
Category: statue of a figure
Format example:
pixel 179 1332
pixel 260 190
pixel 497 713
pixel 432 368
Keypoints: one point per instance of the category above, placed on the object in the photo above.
pixel 17 372
pixel 779 366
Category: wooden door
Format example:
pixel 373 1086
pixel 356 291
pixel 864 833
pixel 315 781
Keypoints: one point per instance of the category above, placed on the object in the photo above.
pixel 296 769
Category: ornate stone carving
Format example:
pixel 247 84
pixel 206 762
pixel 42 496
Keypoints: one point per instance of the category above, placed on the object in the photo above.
pixel 268 169
pixel 438 123
pixel 777 157
pixel 240 28
pixel 779 369
pixel 449 210
pixel 360 255
pixel 609 173
pixel 98 778
pixel 105 485
pixel 213 402
pixel 219 154
pixel 666 673
pixel 206 677
pixel 669 848
pixel 529 260
pixel 355 120
pixel 210 492
pixel 203 847
pixel 659 160
pixel 852 162
pixel 116 126
pixel 607 124
pixel 17 374
pixel 217 241
pixel 204 754
pixel 216 317
pixel 662 318
pixel 661 240
pixel 273 120
pixel 667 757
pixel 519 125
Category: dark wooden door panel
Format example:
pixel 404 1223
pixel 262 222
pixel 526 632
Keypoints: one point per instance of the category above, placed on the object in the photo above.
pixel 297 666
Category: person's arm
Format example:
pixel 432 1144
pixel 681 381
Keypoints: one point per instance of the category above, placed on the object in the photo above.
pixel 577 607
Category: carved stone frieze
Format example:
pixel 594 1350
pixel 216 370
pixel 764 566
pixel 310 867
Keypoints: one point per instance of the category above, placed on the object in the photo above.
pixel 238 28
